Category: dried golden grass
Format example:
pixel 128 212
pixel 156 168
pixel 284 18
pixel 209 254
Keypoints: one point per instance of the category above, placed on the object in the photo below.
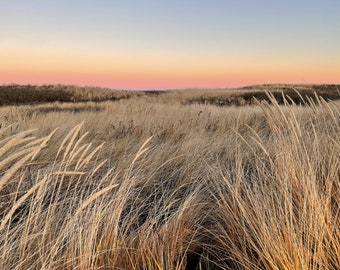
pixel 241 188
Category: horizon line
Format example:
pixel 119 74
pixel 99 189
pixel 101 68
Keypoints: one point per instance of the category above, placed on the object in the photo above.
pixel 167 89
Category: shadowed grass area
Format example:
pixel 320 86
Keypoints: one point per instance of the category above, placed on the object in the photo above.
pixel 140 185
pixel 290 94
pixel 32 94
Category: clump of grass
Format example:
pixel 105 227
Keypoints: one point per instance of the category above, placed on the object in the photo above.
pixel 283 212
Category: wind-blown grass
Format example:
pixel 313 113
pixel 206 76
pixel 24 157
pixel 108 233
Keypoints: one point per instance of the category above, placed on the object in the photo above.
pixel 205 188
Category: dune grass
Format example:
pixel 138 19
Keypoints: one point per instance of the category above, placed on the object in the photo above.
pixel 140 185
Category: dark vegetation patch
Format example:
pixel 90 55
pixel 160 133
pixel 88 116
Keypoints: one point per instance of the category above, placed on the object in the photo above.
pixel 17 94
pixel 221 100
pixel 32 94
pixel 282 94
pixel 81 109
pixel 153 92
pixel 297 96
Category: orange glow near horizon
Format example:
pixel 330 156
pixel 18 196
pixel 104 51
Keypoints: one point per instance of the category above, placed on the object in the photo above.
pixel 171 81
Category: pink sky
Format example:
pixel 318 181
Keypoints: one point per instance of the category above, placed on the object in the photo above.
pixel 151 71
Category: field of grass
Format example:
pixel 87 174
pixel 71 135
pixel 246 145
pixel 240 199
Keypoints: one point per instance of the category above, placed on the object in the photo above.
pixel 170 180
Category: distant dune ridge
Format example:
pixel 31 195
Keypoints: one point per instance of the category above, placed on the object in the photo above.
pixel 32 94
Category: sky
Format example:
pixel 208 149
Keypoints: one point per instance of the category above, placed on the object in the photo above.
pixel 169 44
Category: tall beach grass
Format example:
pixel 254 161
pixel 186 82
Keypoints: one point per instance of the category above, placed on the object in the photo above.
pixel 138 185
